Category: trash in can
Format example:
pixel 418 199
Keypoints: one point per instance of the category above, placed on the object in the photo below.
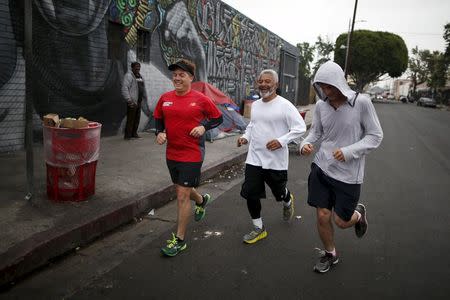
pixel 303 113
pixel 71 156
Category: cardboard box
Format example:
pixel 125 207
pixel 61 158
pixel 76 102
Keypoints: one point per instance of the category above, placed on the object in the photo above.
pixel 51 120
pixel 74 123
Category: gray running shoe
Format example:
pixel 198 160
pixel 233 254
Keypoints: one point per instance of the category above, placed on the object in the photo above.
pixel 362 225
pixel 325 262
pixel 288 211
pixel 255 235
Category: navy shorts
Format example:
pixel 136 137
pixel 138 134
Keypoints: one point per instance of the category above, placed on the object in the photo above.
pixel 186 174
pixel 326 192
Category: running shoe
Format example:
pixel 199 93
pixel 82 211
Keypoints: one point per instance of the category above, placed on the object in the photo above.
pixel 362 225
pixel 255 235
pixel 200 210
pixel 325 262
pixel 174 246
pixel 288 211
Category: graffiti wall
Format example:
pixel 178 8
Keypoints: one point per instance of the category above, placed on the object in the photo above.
pixel 82 49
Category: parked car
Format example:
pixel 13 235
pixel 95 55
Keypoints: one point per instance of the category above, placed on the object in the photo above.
pixel 423 101
pixel 403 99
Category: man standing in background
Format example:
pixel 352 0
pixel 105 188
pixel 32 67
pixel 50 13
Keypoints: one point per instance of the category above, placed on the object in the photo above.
pixel 133 90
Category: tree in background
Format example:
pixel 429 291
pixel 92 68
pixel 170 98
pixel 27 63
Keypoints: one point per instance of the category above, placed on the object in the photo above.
pixel 447 59
pixel 437 73
pixel 324 49
pixel 306 56
pixel 418 71
pixel 372 54
pixel 447 41
pixel 432 68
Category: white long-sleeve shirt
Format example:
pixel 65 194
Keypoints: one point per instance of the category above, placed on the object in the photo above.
pixel 277 119
pixel 353 127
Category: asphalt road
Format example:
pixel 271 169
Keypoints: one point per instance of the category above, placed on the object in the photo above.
pixel 404 255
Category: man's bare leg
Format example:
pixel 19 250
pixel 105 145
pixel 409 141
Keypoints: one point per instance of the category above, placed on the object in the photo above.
pixel 195 196
pixel 184 209
pixel 346 224
pixel 325 228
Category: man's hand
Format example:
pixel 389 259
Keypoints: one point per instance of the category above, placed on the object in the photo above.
pixel 131 104
pixel 197 131
pixel 161 138
pixel 338 155
pixel 241 141
pixel 307 149
pixel 273 145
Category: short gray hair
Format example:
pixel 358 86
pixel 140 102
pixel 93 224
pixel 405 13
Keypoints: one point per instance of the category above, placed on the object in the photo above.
pixel 271 72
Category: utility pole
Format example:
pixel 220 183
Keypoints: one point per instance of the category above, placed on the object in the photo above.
pixel 28 49
pixel 346 47
pixel 349 40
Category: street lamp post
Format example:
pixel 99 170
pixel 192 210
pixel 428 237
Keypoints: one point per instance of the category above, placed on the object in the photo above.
pixel 28 47
pixel 349 38
pixel 346 47
pixel 348 43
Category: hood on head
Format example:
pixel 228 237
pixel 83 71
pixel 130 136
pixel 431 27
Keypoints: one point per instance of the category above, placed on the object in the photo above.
pixel 331 73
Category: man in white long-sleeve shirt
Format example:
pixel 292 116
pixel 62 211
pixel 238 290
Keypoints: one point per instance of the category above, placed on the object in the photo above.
pixel 273 124
pixel 346 125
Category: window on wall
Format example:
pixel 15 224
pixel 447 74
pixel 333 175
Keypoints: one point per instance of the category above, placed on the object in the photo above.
pixel 143 46
pixel 116 49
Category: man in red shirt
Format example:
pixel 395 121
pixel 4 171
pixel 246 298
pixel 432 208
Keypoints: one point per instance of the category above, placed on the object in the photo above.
pixel 182 117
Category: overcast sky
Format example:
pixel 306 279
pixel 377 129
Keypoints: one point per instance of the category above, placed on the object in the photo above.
pixel 419 22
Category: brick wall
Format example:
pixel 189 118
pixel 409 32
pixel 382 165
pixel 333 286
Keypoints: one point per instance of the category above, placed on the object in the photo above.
pixel 12 86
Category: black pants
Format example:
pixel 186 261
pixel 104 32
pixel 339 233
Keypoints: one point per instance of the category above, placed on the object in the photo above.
pixel 133 118
pixel 253 188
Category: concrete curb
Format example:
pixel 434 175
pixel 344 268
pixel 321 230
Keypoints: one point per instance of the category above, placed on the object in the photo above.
pixel 38 250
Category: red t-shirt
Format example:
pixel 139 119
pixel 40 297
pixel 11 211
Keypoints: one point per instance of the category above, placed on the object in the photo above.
pixel 180 115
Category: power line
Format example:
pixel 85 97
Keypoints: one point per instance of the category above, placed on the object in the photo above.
pixel 421 33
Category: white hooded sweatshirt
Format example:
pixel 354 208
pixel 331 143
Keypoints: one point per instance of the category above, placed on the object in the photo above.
pixel 353 127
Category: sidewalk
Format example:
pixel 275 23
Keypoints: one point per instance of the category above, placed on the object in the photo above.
pixel 131 179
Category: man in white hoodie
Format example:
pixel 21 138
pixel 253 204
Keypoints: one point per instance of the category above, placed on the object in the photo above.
pixel 274 122
pixel 346 125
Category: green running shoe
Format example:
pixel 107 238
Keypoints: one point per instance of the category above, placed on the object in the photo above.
pixel 200 210
pixel 174 246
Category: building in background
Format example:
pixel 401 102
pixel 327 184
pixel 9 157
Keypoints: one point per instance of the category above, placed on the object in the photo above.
pixel 82 49
pixel 401 88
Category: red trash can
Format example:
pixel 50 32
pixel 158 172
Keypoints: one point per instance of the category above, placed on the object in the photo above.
pixel 71 157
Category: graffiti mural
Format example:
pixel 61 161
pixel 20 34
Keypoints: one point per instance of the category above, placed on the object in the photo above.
pixel 82 49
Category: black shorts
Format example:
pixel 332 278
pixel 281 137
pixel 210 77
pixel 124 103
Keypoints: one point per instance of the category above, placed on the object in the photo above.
pixel 326 192
pixel 255 177
pixel 185 173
